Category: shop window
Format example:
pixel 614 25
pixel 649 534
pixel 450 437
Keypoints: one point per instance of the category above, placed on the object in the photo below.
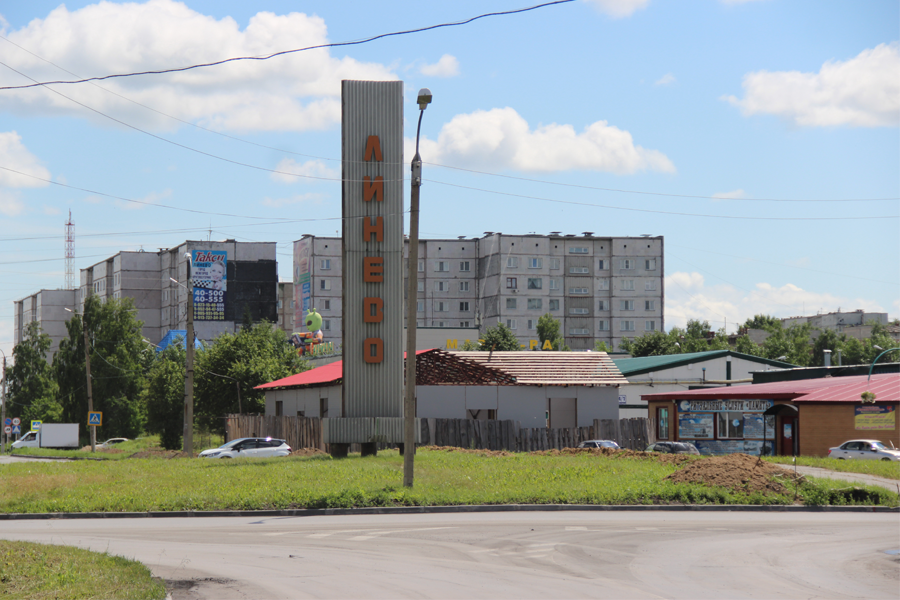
pixel 662 420
pixel 731 425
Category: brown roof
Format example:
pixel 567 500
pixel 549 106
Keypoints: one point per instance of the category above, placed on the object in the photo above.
pixel 551 368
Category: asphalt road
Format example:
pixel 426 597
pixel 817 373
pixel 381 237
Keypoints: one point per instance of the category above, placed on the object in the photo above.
pixel 693 555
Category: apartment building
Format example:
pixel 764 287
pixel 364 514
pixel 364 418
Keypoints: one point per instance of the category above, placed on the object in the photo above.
pixel 47 307
pixel 599 288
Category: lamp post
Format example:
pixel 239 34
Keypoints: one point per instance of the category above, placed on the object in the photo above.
pixel 409 404
pixel 87 370
pixel 872 366
pixel 3 435
pixel 188 434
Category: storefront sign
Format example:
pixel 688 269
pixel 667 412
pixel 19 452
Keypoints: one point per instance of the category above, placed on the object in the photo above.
pixel 302 279
pixel 724 405
pixel 695 426
pixel 753 426
pixel 874 418
pixel 209 274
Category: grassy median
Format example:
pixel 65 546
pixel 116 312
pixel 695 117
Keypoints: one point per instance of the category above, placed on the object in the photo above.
pixel 879 468
pixel 29 570
pixel 442 478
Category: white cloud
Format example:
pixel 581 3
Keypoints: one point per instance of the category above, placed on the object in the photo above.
pixel 666 79
pixel 687 297
pixel 291 171
pixel 501 139
pixel 861 92
pixel 298 91
pixel 15 156
pixel 298 199
pixel 618 8
pixel 10 203
pixel 732 195
pixel 447 66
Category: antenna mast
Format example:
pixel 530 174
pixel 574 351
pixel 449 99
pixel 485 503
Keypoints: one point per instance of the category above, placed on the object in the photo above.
pixel 70 253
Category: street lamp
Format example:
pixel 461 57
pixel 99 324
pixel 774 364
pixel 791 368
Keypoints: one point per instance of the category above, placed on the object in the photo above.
pixel 3 435
pixel 409 404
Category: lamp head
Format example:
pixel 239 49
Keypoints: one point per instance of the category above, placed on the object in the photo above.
pixel 782 357
pixel 187 255
pixel 877 347
pixel 424 98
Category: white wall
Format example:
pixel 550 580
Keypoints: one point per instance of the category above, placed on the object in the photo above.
pixel 306 399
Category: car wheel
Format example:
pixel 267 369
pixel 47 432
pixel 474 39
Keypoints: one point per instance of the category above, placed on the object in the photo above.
pixel 886 458
pixel 228 457
pixel 840 458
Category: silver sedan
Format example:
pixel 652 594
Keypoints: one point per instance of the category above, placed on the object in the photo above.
pixel 864 450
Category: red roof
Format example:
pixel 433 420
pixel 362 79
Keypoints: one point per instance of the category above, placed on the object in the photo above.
pixel 331 373
pixel 886 387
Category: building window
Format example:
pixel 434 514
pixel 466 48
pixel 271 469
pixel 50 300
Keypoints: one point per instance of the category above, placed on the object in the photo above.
pixel 730 425
pixel 324 284
pixel 662 420
pixel 626 304
pixel 511 323
pixel 420 286
pixel 554 263
pixel 438 323
pixel 535 263
pixel 554 284
pixel 602 265
pixel 442 306
pixel 554 304
pixel 326 306
pixel 464 324
pixel 512 262
pixel 626 325
pixel 650 264
pixel 510 303
pixel 603 285
pixel 278 305
pixel 292 304
pixel 535 283
pixel 577 250
pixel 628 285
pixel 279 408
pixel 650 285
pixel 649 325
pixel 441 286
pixel 602 325
pixel 579 311
pixel 580 331
pixel 464 265
pixel 531 323
pixel 326 324
pixel 464 286
pixel 420 306
pixel 578 291
pixel 649 304
pixel 463 307
pixel 511 283
pixel 626 263
pixel 578 270
pixel 603 305
pixel 535 304
pixel 326 264
pixel 442 266
pixel 421 266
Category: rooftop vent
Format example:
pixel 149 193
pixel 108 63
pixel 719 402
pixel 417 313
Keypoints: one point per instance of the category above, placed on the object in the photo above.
pixel 570 235
pixel 556 233
pixel 587 233
pixel 460 237
pixel 488 233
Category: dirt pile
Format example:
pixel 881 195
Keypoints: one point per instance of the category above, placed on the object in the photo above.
pixel 466 451
pixel 104 450
pixel 739 472
pixel 307 452
pixel 159 453
pixel 675 459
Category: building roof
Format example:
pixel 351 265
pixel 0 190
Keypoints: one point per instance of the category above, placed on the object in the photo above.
pixel 649 364
pixel 886 388
pixel 551 368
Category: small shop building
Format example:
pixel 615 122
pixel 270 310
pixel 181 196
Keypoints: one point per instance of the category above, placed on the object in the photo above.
pixel 787 417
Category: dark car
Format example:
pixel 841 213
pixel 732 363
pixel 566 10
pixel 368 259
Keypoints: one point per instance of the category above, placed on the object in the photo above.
pixel 673 448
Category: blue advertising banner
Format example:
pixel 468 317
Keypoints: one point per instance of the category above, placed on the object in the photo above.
pixel 210 277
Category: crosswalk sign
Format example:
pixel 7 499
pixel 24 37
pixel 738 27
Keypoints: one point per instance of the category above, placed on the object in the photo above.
pixel 95 418
pixel 16 429
pixel 36 425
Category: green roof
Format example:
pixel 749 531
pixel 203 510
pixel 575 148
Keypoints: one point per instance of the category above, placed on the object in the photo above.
pixel 648 364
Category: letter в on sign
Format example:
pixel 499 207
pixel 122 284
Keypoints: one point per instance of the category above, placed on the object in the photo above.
pixel 373 310
pixel 373 350
pixel 373 269
pixel 376 227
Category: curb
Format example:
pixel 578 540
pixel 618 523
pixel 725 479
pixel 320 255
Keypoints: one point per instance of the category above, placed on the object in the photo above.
pixel 482 508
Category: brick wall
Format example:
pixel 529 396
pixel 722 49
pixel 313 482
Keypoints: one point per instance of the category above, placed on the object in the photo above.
pixel 826 425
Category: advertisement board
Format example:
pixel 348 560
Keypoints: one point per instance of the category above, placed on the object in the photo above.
pixel 695 426
pixel 302 280
pixel 209 274
pixel 874 418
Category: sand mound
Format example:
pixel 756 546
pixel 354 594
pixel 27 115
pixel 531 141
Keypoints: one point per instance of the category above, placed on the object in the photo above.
pixel 739 472
pixel 676 459
pixel 466 450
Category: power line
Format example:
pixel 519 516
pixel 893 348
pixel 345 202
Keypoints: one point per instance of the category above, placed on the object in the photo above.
pixel 283 52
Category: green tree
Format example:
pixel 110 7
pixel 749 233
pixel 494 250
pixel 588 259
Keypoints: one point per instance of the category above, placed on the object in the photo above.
pixel 766 322
pixel 31 387
pixel 792 343
pixel 499 339
pixel 548 329
pixel 745 345
pixel 164 396
pixel 600 346
pixel 828 340
pixel 117 367
pixel 247 359
pixel 652 343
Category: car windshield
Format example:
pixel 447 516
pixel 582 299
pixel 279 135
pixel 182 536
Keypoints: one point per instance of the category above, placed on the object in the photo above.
pixel 879 445
pixel 232 443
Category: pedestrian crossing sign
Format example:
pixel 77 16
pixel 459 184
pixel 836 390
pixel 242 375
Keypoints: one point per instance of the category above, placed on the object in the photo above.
pixel 95 418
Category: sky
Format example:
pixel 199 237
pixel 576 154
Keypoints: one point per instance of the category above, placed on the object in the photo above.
pixel 759 137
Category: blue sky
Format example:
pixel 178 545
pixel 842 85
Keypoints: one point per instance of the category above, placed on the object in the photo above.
pixel 759 137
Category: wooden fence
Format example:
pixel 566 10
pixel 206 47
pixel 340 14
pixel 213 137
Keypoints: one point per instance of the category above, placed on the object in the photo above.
pixel 306 432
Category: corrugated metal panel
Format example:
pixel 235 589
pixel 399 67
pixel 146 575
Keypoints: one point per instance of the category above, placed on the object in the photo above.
pixel 348 431
pixel 390 430
pixel 551 368
pixel 372 108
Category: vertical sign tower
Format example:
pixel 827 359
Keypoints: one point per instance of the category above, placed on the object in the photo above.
pixel 372 154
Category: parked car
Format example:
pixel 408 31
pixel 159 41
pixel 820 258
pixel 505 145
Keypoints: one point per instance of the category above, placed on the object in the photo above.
pixel 110 443
pixel 599 444
pixel 673 448
pixel 249 448
pixel 864 450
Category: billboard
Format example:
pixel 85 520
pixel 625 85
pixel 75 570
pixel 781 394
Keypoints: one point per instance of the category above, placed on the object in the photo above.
pixel 209 274
pixel 302 280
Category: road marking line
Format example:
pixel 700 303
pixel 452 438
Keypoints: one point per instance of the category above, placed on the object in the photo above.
pixel 576 528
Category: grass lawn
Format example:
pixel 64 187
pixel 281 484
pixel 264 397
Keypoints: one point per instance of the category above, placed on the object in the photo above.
pixel 119 451
pixel 29 570
pixel 881 468
pixel 442 478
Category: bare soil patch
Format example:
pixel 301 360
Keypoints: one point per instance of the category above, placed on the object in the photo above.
pixel 104 450
pixel 159 453
pixel 739 472
pixel 675 459
pixel 307 452
pixel 466 451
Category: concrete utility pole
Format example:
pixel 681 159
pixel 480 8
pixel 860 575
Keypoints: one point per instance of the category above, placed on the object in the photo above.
pixel 90 394
pixel 409 403
pixel 3 437
pixel 189 363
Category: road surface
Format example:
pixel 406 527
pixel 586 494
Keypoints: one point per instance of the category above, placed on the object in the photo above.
pixel 695 555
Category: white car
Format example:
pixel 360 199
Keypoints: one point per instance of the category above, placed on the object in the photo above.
pixel 864 450
pixel 112 442
pixel 249 448
pixel 599 444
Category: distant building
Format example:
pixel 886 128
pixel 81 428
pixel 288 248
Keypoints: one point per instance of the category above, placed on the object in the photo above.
pixel 837 321
pixel 599 288
pixel 48 308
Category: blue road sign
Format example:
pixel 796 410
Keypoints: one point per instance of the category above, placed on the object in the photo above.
pixel 36 425
pixel 95 418
pixel 8 421
pixel 17 429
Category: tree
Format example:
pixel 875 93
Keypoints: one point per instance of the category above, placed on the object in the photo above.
pixel 652 343
pixel 766 322
pixel 600 346
pixel 828 340
pixel 792 343
pixel 499 339
pixel 117 374
pixel 164 396
pixel 247 359
pixel 31 387
pixel 548 330
pixel 745 345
